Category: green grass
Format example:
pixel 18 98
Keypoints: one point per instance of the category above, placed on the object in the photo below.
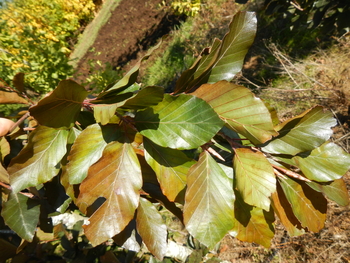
pixel 176 58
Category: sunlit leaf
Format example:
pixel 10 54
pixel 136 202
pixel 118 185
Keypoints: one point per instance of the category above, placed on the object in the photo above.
pixel 225 60
pixel 285 213
pixel 325 163
pixel 204 61
pixel 148 96
pixel 208 210
pixel 151 228
pixel 234 47
pixel 87 149
pixel 181 122
pixel 10 97
pixel 171 167
pixel 60 109
pixel 254 177
pixel 336 191
pixel 21 214
pixel 130 77
pixel 308 206
pixel 117 178
pixel 303 133
pixel 104 112
pixel 4 176
pixel 252 224
pixel 240 109
pixel 40 160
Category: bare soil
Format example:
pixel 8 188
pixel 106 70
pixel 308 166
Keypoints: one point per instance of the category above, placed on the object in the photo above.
pixel 132 29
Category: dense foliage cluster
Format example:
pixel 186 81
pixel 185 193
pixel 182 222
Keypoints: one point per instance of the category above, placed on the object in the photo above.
pixel 34 39
pixel 211 153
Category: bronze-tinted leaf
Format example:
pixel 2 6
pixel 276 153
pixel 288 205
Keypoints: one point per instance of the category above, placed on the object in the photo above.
pixel 61 108
pixel 335 190
pixel 285 213
pixel 171 167
pixel 10 97
pixel 308 206
pixel 252 224
pixel 151 228
pixel 116 177
pixel 240 109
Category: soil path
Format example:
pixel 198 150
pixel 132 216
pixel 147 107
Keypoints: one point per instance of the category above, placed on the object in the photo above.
pixel 133 27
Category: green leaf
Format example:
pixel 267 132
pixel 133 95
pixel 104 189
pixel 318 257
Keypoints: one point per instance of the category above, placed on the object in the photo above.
pixel 234 47
pixel 104 112
pixel 181 122
pixel 325 163
pixel 151 228
pixel 226 60
pixel 285 213
pixel 146 97
pixel 308 206
pixel 61 108
pixel 39 161
pixel 302 133
pixel 117 178
pixel 129 78
pixel 21 214
pixel 171 167
pixel 255 179
pixel 87 149
pixel 208 210
pixel 252 224
pixel 203 62
pixel 240 109
pixel 336 191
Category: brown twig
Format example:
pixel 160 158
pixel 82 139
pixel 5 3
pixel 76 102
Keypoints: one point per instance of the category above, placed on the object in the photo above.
pixel 22 119
pixel 278 170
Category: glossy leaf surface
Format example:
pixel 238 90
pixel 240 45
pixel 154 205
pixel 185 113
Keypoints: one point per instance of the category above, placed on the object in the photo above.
pixel 252 224
pixel 208 210
pixel 325 163
pixel 285 213
pixel 182 122
pixel 60 109
pixel 255 179
pixel 226 57
pixel 303 133
pixel 308 206
pixel 151 228
pixel 240 109
pixel 21 214
pixel 40 160
pixel 117 178
pixel 335 190
pixel 87 149
pixel 171 167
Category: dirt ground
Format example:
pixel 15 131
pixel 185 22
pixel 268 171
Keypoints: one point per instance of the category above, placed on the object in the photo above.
pixel 132 29
pixel 135 26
